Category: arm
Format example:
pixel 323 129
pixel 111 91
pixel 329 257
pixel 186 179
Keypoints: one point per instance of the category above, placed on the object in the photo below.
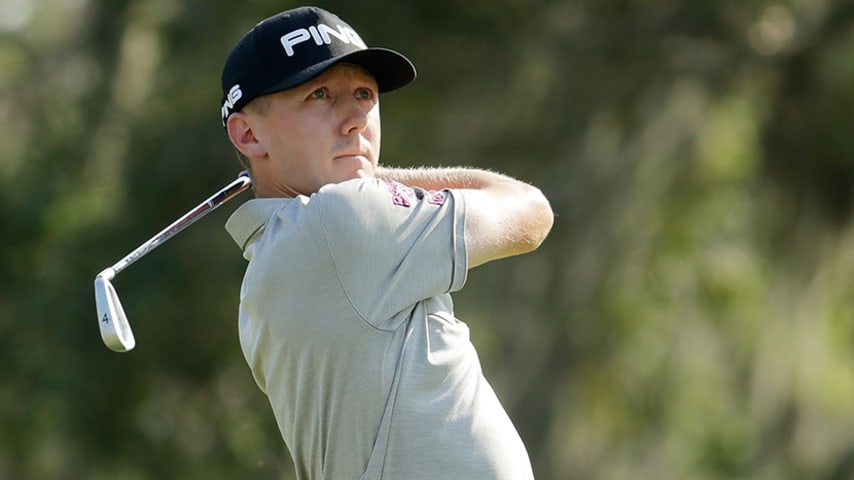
pixel 504 216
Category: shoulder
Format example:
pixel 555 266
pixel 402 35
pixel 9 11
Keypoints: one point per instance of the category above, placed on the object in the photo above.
pixel 383 206
pixel 380 193
pixel 358 191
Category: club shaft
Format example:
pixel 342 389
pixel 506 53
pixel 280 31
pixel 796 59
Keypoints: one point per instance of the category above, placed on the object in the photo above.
pixel 229 191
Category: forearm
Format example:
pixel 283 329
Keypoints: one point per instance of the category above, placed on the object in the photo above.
pixel 430 178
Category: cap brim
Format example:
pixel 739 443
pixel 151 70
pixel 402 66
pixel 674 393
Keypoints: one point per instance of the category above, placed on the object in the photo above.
pixel 389 68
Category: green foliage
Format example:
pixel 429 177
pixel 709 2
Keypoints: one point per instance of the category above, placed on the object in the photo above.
pixel 690 316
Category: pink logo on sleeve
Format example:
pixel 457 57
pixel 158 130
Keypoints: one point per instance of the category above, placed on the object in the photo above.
pixel 403 196
pixel 400 194
pixel 436 198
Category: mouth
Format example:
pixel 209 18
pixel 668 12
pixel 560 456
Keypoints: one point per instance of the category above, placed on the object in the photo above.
pixel 352 155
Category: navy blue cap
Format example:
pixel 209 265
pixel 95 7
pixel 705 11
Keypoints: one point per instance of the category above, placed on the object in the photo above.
pixel 294 46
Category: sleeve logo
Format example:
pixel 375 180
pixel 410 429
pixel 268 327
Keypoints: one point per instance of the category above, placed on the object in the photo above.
pixel 403 196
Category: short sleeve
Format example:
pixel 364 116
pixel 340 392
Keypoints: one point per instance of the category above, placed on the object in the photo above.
pixel 392 245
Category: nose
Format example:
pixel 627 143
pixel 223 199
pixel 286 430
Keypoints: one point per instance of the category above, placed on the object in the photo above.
pixel 354 117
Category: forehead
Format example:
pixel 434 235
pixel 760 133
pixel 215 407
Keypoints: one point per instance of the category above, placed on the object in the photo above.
pixel 341 71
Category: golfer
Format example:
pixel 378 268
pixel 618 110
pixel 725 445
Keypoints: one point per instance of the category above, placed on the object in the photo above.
pixel 346 318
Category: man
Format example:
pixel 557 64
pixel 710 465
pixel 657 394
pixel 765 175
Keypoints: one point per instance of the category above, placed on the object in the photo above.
pixel 346 319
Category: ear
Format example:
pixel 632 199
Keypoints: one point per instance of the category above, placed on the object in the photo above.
pixel 242 134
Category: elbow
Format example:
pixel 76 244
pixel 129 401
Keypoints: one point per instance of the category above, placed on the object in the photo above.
pixel 545 218
pixel 540 219
pixel 515 222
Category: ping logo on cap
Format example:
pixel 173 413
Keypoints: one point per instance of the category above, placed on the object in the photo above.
pixel 321 34
pixel 231 99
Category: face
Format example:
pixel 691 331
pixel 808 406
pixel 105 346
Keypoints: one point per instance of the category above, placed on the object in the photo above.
pixel 326 130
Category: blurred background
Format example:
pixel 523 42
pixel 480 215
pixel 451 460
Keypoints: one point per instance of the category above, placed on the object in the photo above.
pixel 691 315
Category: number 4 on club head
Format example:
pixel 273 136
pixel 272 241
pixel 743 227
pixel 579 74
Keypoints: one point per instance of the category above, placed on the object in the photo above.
pixel 115 328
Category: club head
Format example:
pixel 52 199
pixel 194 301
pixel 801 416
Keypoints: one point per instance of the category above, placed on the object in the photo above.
pixel 115 329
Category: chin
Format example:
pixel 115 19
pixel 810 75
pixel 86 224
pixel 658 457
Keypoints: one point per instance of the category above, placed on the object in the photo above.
pixel 347 177
pixel 355 167
pixel 360 172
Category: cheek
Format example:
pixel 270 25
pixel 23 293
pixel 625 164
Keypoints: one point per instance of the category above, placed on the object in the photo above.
pixel 375 131
pixel 288 141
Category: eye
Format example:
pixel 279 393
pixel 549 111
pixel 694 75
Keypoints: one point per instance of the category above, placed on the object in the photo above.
pixel 364 94
pixel 320 93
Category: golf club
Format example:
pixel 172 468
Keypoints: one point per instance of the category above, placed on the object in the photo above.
pixel 115 329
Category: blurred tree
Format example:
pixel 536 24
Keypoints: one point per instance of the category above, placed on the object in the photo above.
pixel 690 316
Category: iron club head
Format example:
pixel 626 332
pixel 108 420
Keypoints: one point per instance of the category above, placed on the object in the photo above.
pixel 115 329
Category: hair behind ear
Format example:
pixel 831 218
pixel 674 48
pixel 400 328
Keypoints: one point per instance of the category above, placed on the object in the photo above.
pixel 245 164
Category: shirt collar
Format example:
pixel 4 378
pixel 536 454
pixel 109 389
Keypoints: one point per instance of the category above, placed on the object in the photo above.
pixel 251 217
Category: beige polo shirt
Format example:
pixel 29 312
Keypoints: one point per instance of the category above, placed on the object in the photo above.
pixel 347 323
